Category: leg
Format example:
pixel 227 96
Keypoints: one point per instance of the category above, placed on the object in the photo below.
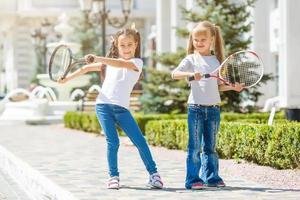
pixel 210 163
pixel 107 122
pixel 193 162
pixel 130 127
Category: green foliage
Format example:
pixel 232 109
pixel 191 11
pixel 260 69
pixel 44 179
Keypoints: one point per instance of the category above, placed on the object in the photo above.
pixel 87 122
pixel 162 94
pixel 168 133
pixel 276 146
pixel 241 136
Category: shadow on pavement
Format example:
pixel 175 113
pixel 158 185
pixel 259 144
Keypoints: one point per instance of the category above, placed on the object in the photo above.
pixel 228 188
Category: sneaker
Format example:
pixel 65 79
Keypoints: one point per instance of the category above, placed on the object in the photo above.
pixel 113 183
pixel 155 181
pixel 219 184
pixel 197 186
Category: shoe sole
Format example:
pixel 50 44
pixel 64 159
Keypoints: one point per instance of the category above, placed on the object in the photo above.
pixel 154 187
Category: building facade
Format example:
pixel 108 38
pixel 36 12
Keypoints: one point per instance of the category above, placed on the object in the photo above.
pixel 19 18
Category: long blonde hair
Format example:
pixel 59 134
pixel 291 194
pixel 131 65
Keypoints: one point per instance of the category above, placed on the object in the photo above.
pixel 215 31
pixel 114 52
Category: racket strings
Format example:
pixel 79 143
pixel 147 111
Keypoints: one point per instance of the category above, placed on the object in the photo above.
pixel 244 68
pixel 61 60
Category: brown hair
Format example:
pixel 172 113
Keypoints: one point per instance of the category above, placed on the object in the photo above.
pixel 114 52
pixel 215 31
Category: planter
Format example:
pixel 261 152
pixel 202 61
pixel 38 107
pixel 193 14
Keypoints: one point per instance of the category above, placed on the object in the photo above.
pixel 292 114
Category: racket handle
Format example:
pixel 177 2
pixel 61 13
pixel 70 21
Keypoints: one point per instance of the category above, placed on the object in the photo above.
pixel 91 59
pixel 192 78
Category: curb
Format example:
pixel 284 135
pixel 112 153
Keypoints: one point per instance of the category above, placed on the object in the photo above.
pixel 35 185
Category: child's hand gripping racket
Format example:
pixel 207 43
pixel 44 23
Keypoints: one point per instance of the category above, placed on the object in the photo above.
pixel 241 68
pixel 62 62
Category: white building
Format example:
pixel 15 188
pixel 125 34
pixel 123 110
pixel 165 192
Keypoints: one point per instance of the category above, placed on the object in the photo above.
pixel 18 19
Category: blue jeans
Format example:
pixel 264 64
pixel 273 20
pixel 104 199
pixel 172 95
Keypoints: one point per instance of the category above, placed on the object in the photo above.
pixel 109 116
pixel 203 125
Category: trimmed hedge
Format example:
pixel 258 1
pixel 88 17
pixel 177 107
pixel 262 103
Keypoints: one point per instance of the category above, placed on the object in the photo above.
pixel 277 146
pixel 88 121
pixel 257 118
pixel 83 121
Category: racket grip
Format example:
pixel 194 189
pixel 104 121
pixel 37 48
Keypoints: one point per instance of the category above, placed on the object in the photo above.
pixel 91 59
pixel 191 78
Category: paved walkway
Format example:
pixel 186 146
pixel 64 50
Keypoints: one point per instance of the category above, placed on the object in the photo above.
pixel 76 162
pixel 9 190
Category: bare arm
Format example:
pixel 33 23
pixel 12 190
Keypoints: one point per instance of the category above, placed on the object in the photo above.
pixel 237 87
pixel 115 62
pixel 83 70
pixel 181 75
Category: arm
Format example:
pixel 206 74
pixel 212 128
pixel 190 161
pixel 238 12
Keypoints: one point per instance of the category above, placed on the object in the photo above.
pixel 185 70
pixel 181 75
pixel 237 87
pixel 114 62
pixel 83 70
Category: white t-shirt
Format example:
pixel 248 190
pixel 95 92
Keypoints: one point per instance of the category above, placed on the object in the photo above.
pixel 205 91
pixel 118 84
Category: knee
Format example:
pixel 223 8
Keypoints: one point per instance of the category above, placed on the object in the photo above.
pixel 113 144
pixel 209 150
pixel 194 154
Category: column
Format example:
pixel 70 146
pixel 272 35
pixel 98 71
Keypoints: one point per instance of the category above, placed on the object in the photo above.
pixel 177 22
pixel 163 27
pixel 289 69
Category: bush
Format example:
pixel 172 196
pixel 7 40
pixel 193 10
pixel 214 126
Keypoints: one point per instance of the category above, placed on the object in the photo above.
pixel 277 146
pixel 82 121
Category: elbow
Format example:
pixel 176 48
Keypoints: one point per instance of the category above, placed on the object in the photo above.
pixel 173 76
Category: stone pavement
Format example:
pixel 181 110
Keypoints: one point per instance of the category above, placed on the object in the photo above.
pixel 9 190
pixel 76 162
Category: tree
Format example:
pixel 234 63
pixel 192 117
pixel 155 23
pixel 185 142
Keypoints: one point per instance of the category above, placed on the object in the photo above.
pixel 233 18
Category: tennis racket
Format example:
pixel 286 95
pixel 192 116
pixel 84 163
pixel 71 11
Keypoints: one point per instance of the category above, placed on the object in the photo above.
pixel 243 67
pixel 62 62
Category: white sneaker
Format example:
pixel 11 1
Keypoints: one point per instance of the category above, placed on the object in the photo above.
pixel 155 181
pixel 113 183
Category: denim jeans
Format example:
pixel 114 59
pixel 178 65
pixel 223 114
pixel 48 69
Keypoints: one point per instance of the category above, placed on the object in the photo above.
pixel 109 116
pixel 203 125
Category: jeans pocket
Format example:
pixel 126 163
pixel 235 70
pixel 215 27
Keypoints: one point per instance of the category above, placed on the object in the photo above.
pixel 119 109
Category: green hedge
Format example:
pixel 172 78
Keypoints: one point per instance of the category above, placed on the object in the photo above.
pixel 88 121
pixel 277 146
pixel 257 118
pixel 82 121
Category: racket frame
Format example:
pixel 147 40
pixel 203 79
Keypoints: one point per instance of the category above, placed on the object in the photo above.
pixel 219 77
pixel 70 65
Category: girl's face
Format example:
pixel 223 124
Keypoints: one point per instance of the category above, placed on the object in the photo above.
pixel 202 42
pixel 126 46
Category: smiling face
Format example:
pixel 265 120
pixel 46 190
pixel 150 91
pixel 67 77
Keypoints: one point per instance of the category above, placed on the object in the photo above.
pixel 202 41
pixel 126 46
